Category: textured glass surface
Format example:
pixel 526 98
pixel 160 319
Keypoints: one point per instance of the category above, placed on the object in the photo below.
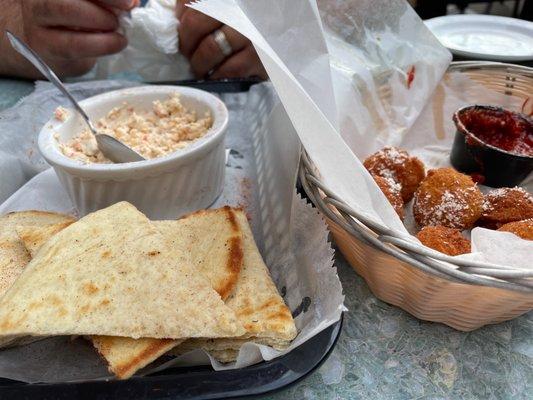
pixel 385 353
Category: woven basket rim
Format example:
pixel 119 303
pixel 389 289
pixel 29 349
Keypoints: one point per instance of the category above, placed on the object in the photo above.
pixel 422 258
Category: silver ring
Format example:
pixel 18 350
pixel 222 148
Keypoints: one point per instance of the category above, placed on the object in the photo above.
pixel 222 41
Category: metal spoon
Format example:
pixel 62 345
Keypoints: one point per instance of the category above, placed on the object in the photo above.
pixel 111 148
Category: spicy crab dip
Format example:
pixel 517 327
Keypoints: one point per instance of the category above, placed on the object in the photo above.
pixel 169 126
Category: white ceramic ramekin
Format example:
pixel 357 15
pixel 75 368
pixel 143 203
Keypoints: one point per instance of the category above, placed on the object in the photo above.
pixel 165 187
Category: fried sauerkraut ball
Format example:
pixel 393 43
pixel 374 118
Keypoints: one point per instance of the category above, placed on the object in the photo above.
pixel 397 164
pixel 506 205
pixel 523 229
pixel 448 198
pixel 446 240
pixel 392 191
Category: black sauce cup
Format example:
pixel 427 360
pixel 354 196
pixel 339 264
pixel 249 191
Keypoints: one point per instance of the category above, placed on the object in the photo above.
pixel 487 164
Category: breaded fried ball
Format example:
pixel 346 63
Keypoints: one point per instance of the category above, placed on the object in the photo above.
pixel 446 240
pixel 397 164
pixel 506 205
pixel 448 198
pixel 523 229
pixel 392 192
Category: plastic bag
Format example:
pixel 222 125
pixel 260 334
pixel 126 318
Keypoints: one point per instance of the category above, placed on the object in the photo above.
pixel 152 51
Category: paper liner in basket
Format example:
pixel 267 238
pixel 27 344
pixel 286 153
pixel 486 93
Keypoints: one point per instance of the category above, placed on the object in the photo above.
pixel 353 77
pixel 388 40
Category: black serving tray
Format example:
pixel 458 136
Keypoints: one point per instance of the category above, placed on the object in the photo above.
pixel 217 86
pixel 191 383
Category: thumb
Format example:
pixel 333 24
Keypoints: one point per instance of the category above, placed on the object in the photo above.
pixel 181 8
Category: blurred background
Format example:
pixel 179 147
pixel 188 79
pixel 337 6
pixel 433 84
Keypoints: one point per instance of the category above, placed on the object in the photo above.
pixel 435 8
pixel 522 9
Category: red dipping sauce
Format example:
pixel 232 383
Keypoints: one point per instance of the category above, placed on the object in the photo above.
pixel 506 130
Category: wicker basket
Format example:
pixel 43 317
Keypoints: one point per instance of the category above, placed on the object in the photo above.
pixel 434 287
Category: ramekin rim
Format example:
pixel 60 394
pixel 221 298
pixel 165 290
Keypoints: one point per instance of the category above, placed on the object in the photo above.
pixel 57 159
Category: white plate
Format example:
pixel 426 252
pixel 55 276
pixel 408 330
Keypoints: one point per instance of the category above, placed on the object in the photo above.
pixel 485 37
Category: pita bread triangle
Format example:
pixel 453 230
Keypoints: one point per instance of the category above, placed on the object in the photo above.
pixel 111 273
pixel 214 241
pixel 217 241
pixel 256 303
pixel 125 356
pixel 31 218
pixel 256 300
pixel 13 259
pixel 213 238
pixel 34 237
pixel 13 255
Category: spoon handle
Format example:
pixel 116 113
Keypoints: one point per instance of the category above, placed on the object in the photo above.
pixel 32 57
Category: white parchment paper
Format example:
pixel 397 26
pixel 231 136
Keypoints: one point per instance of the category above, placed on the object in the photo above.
pixel 260 176
pixel 384 70
pixel 281 32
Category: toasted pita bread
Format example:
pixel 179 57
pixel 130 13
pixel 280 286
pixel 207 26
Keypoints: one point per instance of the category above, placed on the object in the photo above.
pixel 13 255
pixel 34 237
pixel 225 356
pixel 256 302
pixel 13 258
pixel 213 238
pixel 214 241
pixel 217 240
pixel 31 218
pixel 125 356
pixel 112 273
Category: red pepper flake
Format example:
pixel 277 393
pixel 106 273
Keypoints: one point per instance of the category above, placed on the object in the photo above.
pixel 410 76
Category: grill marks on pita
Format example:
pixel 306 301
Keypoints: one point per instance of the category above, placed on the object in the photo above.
pixel 213 238
pixel 257 304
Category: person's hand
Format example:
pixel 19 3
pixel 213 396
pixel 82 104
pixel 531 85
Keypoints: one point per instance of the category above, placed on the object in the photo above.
pixel 71 34
pixel 197 43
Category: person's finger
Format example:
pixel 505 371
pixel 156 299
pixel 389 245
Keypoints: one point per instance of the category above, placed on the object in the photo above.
pixel 72 45
pixel 194 26
pixel 73 67
pixel 115 10
pixel 180 8
pixel 79 14
pixel 243 64
pixel 208 55
pixel 124 5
